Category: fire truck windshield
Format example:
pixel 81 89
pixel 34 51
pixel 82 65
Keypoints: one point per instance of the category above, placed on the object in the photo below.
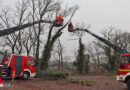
pixel 31 62
pixel 125 60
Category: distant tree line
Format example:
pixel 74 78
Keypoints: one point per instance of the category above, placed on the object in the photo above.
pixel 100 56
pixel 104 57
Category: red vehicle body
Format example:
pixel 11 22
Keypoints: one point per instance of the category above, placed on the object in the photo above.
pixel 18 66
pixel 123 73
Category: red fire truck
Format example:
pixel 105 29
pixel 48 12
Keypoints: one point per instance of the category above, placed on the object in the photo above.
pixel 18 66
pixel 123 73
pixel 22 66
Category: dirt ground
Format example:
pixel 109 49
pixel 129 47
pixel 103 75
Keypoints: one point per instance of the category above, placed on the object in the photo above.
pixel 99 83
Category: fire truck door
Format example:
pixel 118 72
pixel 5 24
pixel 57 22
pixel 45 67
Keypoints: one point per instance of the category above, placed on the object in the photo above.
pixel 18 65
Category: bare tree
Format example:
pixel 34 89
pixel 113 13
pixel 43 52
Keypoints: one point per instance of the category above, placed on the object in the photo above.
pixel 40 10
pixel 59 50
pixel 82 59
pixel 109 58
pixel 53 37
pixel 29 41
pixel 14 40
pixel 95 54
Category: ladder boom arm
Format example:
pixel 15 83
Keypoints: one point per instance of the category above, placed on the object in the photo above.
pixel 20 27
pixel 103 40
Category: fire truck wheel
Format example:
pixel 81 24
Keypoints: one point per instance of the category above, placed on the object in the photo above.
pixel 25 75
pixel 128 84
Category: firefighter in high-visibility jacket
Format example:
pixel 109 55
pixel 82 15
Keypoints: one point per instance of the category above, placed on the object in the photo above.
pixel 59 21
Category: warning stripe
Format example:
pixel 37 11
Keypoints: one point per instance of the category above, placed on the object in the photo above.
pixel 124 69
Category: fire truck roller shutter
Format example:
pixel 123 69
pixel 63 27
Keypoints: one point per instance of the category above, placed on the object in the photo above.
pixel 0 69
pixel 18 65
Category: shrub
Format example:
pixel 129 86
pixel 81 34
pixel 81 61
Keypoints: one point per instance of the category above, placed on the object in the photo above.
pixel 76 81
pixel 83 82
pixel 53 74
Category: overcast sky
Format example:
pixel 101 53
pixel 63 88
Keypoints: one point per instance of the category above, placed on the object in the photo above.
pixel 99 13
pixel 103 13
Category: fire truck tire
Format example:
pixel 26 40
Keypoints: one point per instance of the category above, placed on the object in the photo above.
pixel 25 75
pixel 128 84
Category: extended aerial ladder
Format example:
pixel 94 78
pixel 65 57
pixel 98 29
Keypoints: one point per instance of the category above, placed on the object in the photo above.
pixel 123 73
pixel 57 23
pixel 71 29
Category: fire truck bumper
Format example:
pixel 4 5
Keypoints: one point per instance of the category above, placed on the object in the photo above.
pixel 120 78
pixel 33 74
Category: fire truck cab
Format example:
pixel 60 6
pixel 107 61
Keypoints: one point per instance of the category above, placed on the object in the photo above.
pixel 18 66
pixel 123 73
